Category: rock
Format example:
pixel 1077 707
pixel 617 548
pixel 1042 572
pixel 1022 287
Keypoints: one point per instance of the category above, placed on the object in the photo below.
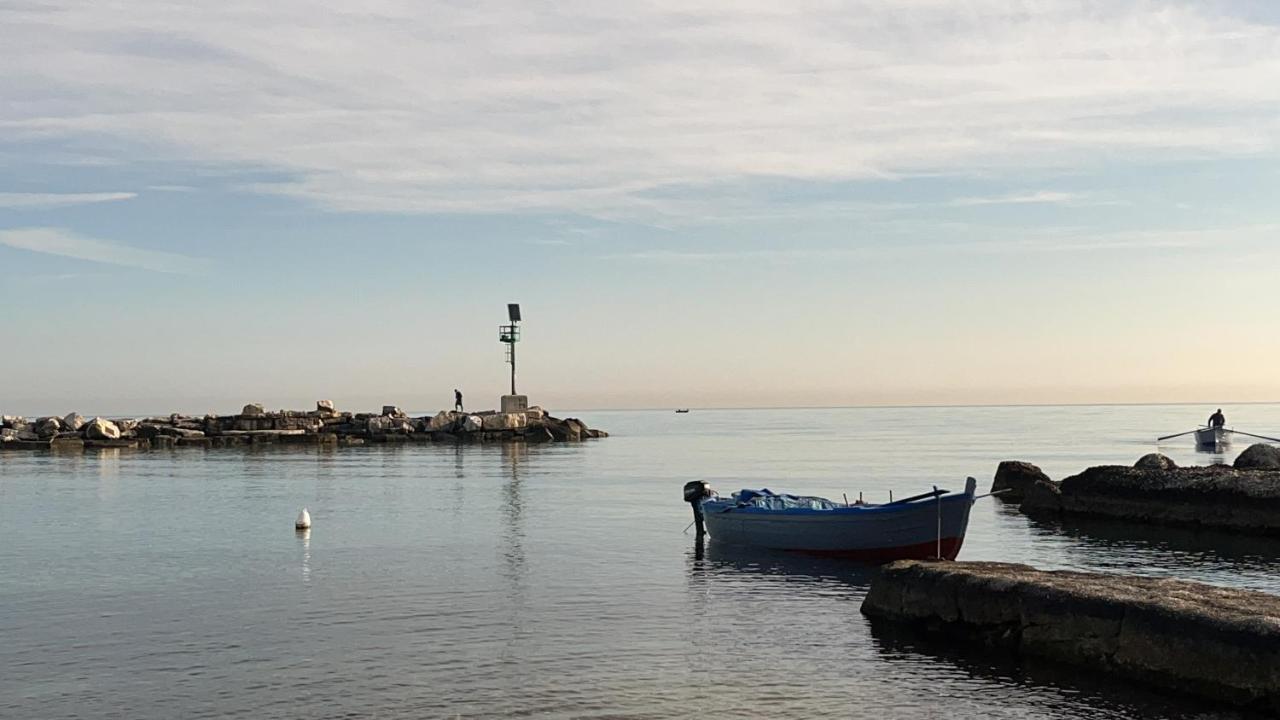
pixel 559 429
pixel 253 410
pixel 1217 642
pixel 70 442
pixel 1200 496
pixel 149 430
pixel 445 421
pixel 1259 456
pixel 504 421
pixel 13 422
pixel 379 424
pixel 73 422
pixel 8 433
pixel 1015 477
pixel 27 435
pixel 1042 498
pixel 49 427
pixel 392 411
pixel 538 434
pixel 99 429
pixel 325 406
pixel 472 423
pixel 1155 461
pixel 180 432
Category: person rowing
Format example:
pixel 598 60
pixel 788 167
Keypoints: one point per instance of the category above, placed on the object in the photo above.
pixel 1217 419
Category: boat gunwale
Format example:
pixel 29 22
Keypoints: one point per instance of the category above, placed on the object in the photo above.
pixel 877 509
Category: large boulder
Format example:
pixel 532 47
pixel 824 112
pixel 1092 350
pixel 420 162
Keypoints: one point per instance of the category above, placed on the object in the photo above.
pixel 1044 497
pixel 325 406
pixel 504 421
pixel 7 434
pixel 1155 461
pixel 1014 478
pixel 1259 456
pixel 472 423
pixel 253 410
pixel 49 427
pixel 445 421
pixel 392 411
pixel 72 422
pixel 12 421
pixel 100 429
pixel 378 424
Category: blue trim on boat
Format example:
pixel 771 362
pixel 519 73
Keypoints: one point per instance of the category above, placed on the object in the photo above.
pixel 721 506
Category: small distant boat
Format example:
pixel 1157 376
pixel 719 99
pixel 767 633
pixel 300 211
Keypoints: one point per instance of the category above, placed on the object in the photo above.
pixel 1213 437
pixel 928 525
pixel 683 410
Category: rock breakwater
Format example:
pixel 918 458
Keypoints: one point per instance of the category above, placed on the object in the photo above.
pixel 1243 498
pixel 254 425
pixel 1215 642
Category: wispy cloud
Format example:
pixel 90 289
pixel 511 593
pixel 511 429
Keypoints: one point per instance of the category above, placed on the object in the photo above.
pixel 1023 242
pixel 65 243
pixel 1036 198
pixel 172 188
pixel 584 107
pixel 40 201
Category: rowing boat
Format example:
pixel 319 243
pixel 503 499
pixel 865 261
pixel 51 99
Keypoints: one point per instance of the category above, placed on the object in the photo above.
pixel 1213 437
pixel 929 525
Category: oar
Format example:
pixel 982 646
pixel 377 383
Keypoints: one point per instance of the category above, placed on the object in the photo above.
pixel 1260 437
pixel 1167 437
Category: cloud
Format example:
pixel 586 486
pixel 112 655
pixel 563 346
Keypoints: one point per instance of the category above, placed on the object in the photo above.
pixel 41 201
pixel 172 188
pixel 1042 197
pixel 1018 242
pixel 589 107
pixel 65 243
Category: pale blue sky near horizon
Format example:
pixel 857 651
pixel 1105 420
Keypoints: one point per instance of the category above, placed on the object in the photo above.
pixel 707 204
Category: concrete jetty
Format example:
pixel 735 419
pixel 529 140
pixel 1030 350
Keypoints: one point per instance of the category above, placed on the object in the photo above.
pixel 1218 643
pixel 254 425
pixel 1240 498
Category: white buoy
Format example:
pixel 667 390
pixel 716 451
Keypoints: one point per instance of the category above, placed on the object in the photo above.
pixel 304 520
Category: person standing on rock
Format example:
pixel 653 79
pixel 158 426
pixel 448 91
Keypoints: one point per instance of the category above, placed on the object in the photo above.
pixel 1217 419
pixel 457 399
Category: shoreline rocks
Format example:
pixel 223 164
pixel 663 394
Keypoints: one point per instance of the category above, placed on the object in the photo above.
pixel 323 426
pixel 1014 478
pixel 1242 498
pixel 1214 642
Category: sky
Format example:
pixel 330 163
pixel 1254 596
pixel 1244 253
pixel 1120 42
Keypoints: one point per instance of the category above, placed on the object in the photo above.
pixel 698 203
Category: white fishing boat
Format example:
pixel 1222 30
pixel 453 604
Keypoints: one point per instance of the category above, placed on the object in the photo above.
pixel 928 525
pixel 1213 437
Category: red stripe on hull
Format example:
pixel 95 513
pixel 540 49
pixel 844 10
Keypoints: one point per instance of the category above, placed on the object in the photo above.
pixel 921 551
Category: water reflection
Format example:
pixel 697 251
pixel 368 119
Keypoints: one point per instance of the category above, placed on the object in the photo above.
pixel 304 539
pixel 513 457
pixel 710 559
pixel 1066 690
pixel 1220 557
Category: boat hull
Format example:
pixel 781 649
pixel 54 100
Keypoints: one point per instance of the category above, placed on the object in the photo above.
pixel 1210 437
pixel 933 527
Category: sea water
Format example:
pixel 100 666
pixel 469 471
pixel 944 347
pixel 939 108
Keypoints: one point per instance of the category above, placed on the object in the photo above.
pixel 552 580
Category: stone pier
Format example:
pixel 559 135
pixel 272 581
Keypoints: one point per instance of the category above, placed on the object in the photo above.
pixel 1218 643
pixel 254 425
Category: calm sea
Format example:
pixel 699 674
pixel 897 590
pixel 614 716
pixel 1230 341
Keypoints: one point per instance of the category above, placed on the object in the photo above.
pixel 550 581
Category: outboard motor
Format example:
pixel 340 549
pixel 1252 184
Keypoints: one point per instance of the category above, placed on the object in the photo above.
pixel 695 491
